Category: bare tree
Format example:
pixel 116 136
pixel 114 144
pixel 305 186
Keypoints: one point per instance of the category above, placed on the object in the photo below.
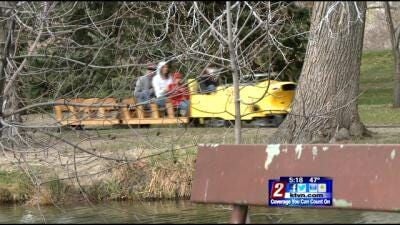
pixel 6 36
pixel 325 106
pixel 394 34
pixel 235 74
pixel 94 50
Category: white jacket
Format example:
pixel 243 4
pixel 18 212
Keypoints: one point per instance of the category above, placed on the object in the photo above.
pixel 160 84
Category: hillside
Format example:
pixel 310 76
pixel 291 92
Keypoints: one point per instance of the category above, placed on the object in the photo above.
pixel 375 103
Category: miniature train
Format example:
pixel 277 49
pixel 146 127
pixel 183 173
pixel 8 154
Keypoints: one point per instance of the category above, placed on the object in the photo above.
pixel 263 103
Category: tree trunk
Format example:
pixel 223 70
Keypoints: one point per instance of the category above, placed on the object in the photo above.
pixel 13 101
pixel 325 105
pixel 394 39
pixel 3 41
pixel 10 101
pixel 396 92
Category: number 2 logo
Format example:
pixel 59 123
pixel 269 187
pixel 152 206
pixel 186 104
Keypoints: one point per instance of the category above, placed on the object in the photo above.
pixel 278 190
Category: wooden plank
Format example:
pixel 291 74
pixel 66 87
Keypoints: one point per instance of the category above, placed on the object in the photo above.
pixel 73 112
pixel 364 176
pixel 90 122
pixel 176 120
pixel 129 101
pixel 89 111
pixel 108 101
pixel 61 109
pixel 103 111
pixel 72 109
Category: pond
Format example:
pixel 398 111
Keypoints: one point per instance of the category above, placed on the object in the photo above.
pixel 180 212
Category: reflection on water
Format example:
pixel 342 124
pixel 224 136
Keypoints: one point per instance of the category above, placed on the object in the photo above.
pixel 181 212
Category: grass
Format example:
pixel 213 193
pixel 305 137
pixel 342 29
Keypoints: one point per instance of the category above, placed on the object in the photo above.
pixel 376 78
pixel 375 102
pixel 167 176
pixel 379 114
pixel 14 186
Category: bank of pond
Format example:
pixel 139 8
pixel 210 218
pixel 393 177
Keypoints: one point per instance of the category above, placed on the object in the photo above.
pixel 155 179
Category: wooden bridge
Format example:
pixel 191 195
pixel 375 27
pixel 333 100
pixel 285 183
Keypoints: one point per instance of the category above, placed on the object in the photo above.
pixel 108 111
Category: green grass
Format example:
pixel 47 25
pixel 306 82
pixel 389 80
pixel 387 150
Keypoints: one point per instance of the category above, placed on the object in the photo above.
pixel 375 102
pixel 9 178
pixel 14 186
pixel 376 78
pixel 379 115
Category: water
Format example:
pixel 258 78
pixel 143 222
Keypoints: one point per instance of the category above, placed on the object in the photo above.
pixel 181 212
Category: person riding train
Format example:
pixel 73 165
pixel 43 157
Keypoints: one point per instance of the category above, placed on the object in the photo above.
pixel 208 80
pixel 160 83
pixel 144 89
pixel 178 94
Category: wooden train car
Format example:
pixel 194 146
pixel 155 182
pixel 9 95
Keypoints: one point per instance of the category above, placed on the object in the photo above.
pixel 101 112
pixel 262 104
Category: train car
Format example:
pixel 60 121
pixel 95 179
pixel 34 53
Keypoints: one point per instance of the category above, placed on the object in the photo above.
pixel 263 103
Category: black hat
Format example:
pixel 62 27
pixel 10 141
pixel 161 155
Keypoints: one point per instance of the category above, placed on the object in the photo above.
pixel 152 67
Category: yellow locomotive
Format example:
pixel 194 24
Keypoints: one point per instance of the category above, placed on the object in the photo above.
pixel 263 103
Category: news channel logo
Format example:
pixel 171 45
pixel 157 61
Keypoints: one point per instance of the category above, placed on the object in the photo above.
pixel 300 192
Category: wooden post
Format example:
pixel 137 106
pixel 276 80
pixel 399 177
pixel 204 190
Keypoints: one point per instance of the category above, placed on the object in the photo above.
pixel 154 111
pixel 170 110
pixel 239 214
pixel 73 112
pixel 140 111
pixel 101 113
pixel 126 111
pixel 58 112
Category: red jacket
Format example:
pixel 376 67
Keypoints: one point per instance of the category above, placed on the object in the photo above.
pixel 178 93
